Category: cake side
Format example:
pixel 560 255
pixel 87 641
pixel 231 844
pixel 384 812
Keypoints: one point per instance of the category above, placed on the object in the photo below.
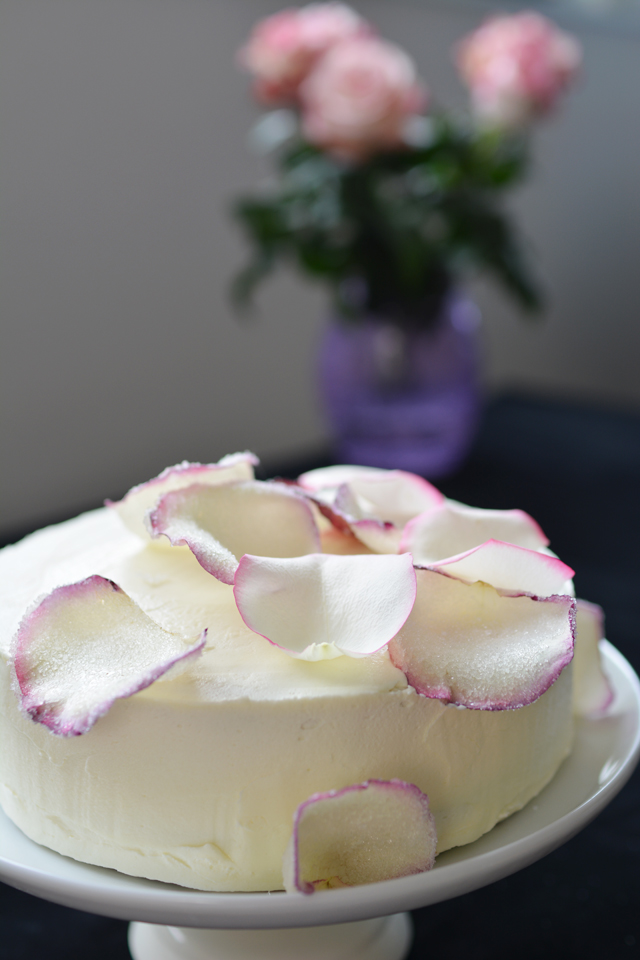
pixel 204 795
pixel 196 779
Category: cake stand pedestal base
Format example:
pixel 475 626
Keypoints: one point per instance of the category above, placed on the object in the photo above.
pixel 384 938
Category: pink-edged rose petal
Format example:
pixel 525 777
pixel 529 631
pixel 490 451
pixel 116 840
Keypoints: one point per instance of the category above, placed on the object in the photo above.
pixel 467 644
pixel 220 524
pixel 454 528
pixel 140 499
pixel 592 692
pixel 322 605
pixel 372 831
pixel 510 568
pixel 378 508
pixel 85 646
pixel 330 478
pixel 374 505
pixel 322 486
pixel 396 497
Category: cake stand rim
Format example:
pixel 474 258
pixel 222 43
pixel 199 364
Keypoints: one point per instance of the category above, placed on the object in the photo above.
pixel 184 907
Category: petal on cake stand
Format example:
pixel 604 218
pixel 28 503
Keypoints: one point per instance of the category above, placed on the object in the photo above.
pixel 221 523
pixel 592 692
pixel 509 568
pixel 372 831
pixel 140 499
pixel 83 647
pixel 470 645
pixel 453 528
pixel 323 605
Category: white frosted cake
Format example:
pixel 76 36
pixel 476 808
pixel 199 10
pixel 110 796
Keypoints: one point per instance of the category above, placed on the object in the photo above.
pixel 271 658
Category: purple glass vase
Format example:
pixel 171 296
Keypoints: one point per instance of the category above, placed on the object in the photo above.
pixel 404 398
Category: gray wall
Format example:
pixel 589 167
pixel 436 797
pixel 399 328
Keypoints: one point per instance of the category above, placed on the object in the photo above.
pixel 124 129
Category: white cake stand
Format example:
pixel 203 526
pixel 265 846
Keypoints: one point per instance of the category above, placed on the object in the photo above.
pixel 357 923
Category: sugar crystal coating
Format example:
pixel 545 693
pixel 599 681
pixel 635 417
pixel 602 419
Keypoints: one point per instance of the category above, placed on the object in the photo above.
pixel 467 644
pixel 84 646
pixel 371 831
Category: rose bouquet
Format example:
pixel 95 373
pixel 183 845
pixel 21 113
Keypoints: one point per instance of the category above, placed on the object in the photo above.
pixel 380 193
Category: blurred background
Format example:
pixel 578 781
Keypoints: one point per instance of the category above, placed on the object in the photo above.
pixel 124 138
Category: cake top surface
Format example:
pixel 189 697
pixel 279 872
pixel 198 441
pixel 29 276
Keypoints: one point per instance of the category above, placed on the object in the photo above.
pixel 172 588
pixel 204 585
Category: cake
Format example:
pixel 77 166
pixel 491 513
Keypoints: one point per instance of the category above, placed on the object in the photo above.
pixel 276 651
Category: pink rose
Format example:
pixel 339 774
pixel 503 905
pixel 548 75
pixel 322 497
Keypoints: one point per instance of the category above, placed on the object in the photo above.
pixel 516 67
pixel 357 99
pixel 284 47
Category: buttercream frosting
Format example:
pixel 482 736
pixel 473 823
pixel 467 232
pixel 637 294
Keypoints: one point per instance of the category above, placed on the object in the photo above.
pixel 196 779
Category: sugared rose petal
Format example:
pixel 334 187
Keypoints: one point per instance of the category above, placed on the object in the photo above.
pixel 592 692
pixel 454 528
pixel 322 605
pixel 135 504
pixel 322 486
pixel 467 644
pixel 220 524
pixel 394 498
pixel 378 508
pixel 510 568
pixel 83 647
pixel 374 505
pixel 378 830
pixel 330 478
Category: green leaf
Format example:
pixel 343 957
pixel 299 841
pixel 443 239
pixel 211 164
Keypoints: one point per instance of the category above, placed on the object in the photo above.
pixel 406 222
